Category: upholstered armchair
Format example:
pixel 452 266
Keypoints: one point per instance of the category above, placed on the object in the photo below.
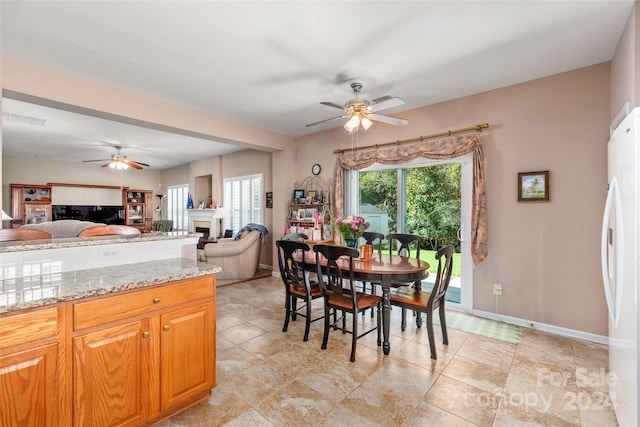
pixel 238 258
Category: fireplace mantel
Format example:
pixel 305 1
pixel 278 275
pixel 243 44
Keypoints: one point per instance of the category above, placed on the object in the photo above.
pixel 202 216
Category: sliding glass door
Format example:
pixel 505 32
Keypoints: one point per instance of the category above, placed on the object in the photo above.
pixel 430 199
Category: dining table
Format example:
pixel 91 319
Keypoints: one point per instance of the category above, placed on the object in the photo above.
pixel 386 270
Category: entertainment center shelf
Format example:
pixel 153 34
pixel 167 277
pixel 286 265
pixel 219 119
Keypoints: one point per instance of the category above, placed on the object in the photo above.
pixel 34 203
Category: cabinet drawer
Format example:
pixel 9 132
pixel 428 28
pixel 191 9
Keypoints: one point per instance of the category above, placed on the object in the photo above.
pixel 24 327
pixel 121 306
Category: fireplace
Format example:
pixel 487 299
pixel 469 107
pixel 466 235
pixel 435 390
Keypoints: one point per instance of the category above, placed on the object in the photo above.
pixel 204 230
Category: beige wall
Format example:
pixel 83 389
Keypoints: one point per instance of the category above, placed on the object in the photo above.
pixel 250 162
pixel 625 78
pixel 546 253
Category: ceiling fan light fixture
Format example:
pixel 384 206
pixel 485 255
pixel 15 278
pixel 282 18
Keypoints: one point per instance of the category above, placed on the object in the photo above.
pixel 118 165
pixel 353 123
pixel 366 123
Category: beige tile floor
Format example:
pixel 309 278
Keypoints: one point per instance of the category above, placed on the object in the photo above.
pixel 269 378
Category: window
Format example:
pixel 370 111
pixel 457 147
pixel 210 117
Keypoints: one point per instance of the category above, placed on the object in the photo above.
pixel 177 205
pixel 243 201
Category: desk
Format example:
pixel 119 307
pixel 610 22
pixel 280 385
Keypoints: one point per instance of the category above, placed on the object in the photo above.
pixel 384 269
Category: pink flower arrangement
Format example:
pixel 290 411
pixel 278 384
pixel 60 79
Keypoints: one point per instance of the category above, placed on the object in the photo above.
pixel 351 227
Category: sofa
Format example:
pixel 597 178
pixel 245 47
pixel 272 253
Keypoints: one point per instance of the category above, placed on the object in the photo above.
pixel 239 259
pixel 62 228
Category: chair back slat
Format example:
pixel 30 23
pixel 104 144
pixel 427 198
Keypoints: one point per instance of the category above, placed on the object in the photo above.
pixel 405 242
pixel 301 237
pixel 371 237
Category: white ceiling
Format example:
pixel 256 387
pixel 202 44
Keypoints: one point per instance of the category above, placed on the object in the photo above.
pixel 270 64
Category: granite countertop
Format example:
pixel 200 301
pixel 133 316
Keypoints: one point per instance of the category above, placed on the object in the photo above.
pixel 72 242
pixel 51 288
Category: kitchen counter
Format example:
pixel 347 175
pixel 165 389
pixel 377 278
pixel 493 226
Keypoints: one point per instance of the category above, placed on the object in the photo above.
pixel 75 242
pixel 50 287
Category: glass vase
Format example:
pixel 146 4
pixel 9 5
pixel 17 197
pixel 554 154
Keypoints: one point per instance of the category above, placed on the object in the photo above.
pixel 351 243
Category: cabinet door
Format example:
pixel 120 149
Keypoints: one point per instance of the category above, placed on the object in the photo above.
pixel 29 384
pixel 187 352
pixel 111 376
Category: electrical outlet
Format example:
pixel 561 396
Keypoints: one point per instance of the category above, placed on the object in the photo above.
pixel 497 289
pixel 109 252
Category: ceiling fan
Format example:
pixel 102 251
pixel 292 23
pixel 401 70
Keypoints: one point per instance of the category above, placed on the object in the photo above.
pixel 361 111
pixel 119 161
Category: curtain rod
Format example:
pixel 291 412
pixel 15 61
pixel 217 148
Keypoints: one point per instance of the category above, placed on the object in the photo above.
pixel 477 128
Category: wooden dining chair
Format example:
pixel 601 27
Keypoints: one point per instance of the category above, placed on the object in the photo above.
pixel 402 244
pixel 374 239
pixel 421 301
pixel 15 234
pixel 296 283
pixel 109 230
pixel 340 294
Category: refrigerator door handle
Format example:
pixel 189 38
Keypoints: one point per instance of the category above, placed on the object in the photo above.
pixel 613 199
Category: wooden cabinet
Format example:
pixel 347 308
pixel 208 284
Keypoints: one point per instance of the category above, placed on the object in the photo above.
pixel 138 209
pixel 30 204
pixel 128 359
pixel 29 369
pixel 143 354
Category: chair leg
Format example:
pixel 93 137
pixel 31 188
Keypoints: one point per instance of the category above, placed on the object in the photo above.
pixel 432 343
pixel 325 337
pixel 443 324
pixel 344 322
pixel 403 322
pixel 354 336
pixel 418 319
pixel 294 308
pixel 379 321
pixel 287 307
pixel 307 321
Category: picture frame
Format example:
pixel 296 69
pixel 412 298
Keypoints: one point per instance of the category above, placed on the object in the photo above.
pixel 312 194
pixel 533 186
pixel 269 200
pixel 298 194
pixel 310 213
pixel 300 214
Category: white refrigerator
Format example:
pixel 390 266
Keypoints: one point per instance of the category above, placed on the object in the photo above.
pixel 620 256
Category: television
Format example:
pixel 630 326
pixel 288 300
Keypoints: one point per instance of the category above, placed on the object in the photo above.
pixel 100 213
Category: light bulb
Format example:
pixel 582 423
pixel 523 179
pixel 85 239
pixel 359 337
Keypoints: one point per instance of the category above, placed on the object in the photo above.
pixel 366 123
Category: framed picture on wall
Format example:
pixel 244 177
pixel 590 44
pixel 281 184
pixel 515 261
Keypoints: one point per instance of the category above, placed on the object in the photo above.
pixel 297 195
pixel 269 199
pixel 533 186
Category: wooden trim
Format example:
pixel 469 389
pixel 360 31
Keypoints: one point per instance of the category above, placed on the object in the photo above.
pixel 67 184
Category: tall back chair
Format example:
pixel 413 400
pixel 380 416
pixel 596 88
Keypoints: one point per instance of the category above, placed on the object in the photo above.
pixel 296 283
pixel 420 301
pixel 336 281
pixel 404 242
pixel 374 239
pixel 14 234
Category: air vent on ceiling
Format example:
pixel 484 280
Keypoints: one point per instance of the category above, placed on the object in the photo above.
pixel 23 119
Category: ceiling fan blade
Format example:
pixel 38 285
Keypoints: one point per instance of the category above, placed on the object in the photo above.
pixel 388 119
pixel 333 104
pixel 385 102
pixel 131 164
pixel 325 120
pixel 98 160
pixel 139 163
pixel 106 164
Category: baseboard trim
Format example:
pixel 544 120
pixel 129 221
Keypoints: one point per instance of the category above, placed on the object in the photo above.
pixel 558 330
pixel 265 267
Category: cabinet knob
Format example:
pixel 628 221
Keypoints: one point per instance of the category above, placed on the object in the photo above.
pixel 156 300
pixel 146 334
pixel 166 328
